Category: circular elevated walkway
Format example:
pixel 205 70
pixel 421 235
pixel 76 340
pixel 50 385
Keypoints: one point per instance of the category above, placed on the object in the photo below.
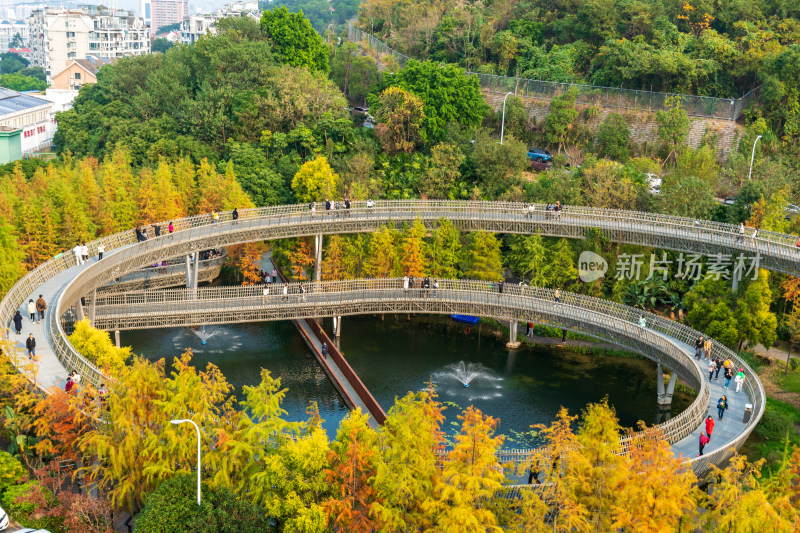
pixel 63 284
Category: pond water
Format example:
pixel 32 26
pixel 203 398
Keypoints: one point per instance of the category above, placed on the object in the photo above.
pixel 400 354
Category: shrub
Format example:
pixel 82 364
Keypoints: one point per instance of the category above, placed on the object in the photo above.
pixel 612 138
pixel 97 347
pixel 173 508
pixel 11 471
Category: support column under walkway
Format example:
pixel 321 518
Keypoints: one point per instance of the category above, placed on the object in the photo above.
pixel 513 325
pixel 665 396
pixel 317 257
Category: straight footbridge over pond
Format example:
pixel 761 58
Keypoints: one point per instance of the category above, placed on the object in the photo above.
pixel 64 284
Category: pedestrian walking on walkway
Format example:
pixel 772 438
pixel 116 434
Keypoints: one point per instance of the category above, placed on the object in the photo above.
pixel 77 252
pixel 235 215
pixel 102 392
pixel 741 232
pixel 69 385
pixel 642 322
pixel 32 310
pixel 728 376
pixel 698 348
pixel 530 329
pixel 302 293
pixel 703 441
pixel 557 295
pixel 170 227
pixel 30 345
pixel 18 322
pixel 274 276
pixel 722 406
pixel 285 292
pixel 712 366
pixel 324 350
pixel 85 252
pixel 533 474
pixel 76 378
pixel 435 286
pixel 214 216
pixel 41 305
pixel 265 294
pixel 710 426
pixel 405 283
pixel 718 362
pixel 100 251
pixel 739 379
pixel 500 287
pixel 707 348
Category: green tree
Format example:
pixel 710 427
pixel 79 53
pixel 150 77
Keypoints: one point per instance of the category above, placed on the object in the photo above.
pixel 444 251
pixel 18 82
pixel 353 73
pixel 448 93
pixel 315 181
pixel 481 257
pixel 528 256
pixel 562 272
pixel 613 137
pixel 383 260
pixel 709 310
pixel 687 197
pixel 443 171
pixel 757 324
pixel 560 121
pixel 161 45
pixel 172 508
pixel 295 41
pixel 400 117
pixel 609 184
pixel 673 125
pixel 257 177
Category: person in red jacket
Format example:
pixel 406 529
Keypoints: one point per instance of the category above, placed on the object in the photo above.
pixel 709 426
pixel 703 441
pixel 68 386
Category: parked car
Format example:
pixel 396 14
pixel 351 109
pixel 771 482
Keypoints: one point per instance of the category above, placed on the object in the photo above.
pixel 655 183
pixel 539 154
pixel 359 110
pixel 3 519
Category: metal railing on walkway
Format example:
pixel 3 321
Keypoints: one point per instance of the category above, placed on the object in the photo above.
pixel 124 254
pixel 613 97
pixel 592 316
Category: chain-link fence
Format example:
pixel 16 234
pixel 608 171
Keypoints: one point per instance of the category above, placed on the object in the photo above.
pixel 613 97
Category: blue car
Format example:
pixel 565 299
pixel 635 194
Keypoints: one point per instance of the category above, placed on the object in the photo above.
pixel 539 154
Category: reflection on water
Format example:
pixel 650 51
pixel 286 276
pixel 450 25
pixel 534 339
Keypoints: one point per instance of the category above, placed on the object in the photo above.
pixel 396 355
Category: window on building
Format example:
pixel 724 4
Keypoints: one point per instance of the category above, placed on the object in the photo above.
pixel 77 75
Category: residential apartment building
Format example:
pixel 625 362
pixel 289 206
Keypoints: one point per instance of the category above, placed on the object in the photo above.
pixel 166 12
pixel 9 29
pixel 59 36
pixel 196 26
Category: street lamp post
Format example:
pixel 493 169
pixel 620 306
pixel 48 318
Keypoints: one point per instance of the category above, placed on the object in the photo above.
pixel 752 156
pixel 503 123
pixel 198 452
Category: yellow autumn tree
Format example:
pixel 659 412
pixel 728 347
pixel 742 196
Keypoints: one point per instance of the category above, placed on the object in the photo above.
pixel 413 258
pixel 97 347
pixel 315 181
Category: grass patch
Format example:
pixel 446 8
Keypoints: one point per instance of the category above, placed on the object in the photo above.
pixel 768 440
pixel 750 358
pixel 791 382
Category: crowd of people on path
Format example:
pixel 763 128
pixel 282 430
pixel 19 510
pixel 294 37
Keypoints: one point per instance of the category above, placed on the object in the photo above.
pixel 426 289
pixel 550 210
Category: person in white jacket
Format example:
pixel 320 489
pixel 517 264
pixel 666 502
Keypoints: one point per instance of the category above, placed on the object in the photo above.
pixel 739 380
